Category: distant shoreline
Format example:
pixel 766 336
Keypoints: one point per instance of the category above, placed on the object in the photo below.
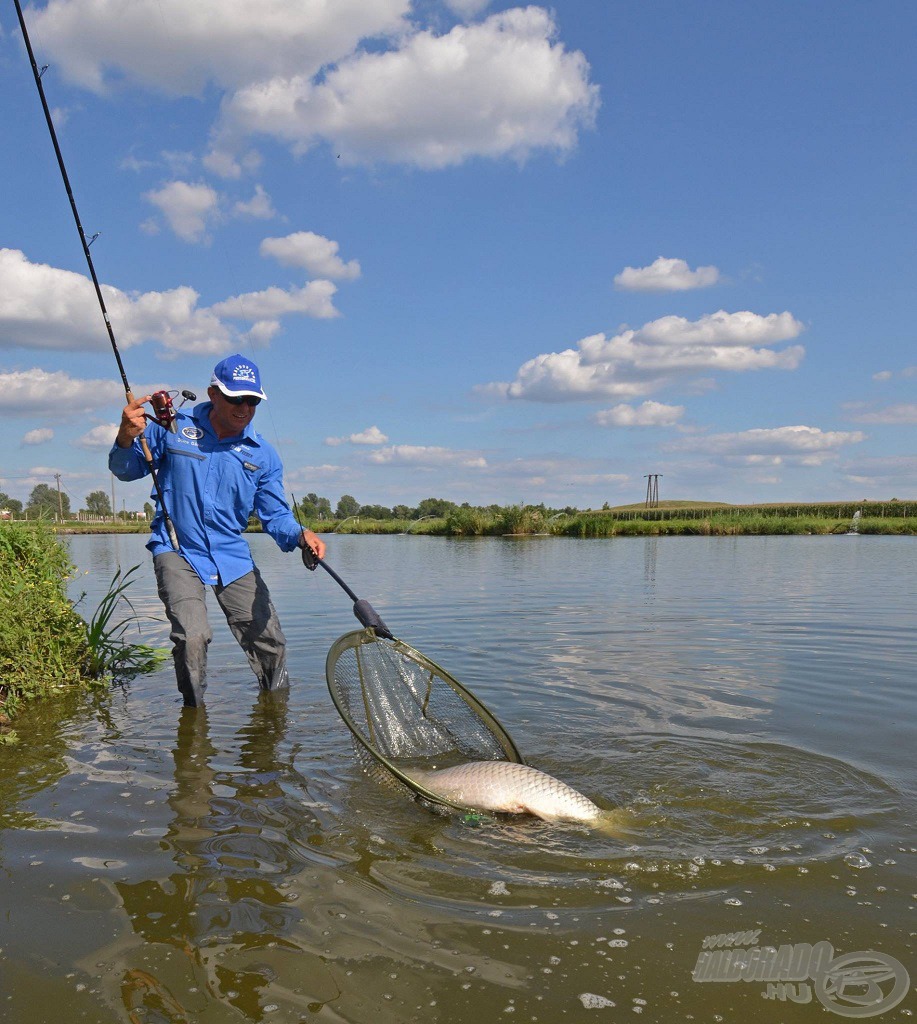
pixel 669 518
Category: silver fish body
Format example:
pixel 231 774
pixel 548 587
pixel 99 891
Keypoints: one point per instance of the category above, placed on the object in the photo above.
pixel 511 788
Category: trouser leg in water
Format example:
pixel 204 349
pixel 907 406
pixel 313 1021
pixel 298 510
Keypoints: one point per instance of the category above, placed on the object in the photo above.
pixel 184 597
pixel 251 616
pixel 247 605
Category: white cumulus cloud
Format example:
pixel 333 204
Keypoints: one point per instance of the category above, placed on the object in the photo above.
pixel 259 207
pixel 43 307
pixel 649 414
pixel 372 435
pixel 313 299
pixel 795 445
pixel 39 436
pixel 100 437
pixel 178 47
pixel 313 253
pixel 426 457
pixel 30 392
pixel 190 209
pixel 504 87
pixel 359 74
pixel 639 362
pixel 666 275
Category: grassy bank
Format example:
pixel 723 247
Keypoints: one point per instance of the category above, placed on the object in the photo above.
pixel 676 519
pixel 731 526
pixel 45 645
pixel 670 518
pixel 74 526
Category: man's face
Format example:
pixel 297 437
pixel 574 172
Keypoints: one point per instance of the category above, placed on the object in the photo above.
pixel 227 419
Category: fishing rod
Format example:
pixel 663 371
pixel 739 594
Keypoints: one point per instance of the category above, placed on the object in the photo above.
pixel 364 611
pixel 162 401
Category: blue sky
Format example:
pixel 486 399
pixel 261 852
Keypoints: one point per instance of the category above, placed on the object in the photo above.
pixel 481 252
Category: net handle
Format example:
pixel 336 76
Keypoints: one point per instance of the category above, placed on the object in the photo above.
pixel 366 615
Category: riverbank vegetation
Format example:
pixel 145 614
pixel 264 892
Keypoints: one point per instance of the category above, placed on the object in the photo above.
pixel 673 518
pixel 440 517
pixel 45 645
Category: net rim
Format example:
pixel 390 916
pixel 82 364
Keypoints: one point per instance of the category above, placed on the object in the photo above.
pixel 359 637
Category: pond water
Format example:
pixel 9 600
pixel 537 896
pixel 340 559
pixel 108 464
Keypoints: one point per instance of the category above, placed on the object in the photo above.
pixel 747 702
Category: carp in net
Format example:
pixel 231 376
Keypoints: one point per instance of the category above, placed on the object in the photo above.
pixel 406 713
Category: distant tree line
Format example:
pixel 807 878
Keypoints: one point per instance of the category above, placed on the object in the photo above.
pixel 313 507
pixel 47 502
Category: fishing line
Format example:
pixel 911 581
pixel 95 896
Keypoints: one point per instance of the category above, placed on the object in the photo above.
pixel 86 243
pixel 243 315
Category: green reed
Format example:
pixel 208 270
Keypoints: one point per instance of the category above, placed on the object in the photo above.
pixel 110 654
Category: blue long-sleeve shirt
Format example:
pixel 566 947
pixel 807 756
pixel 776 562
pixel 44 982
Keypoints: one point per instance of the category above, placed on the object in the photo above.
pixel 210 488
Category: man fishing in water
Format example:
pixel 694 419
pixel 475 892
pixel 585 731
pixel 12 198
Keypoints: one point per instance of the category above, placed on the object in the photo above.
pixel 214 469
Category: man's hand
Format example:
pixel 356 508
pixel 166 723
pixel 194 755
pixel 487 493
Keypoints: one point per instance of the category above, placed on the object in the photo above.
pixel 313 542
pixel 133 421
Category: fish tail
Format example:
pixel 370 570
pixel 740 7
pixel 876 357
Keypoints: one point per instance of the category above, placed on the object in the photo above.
pixel 616 824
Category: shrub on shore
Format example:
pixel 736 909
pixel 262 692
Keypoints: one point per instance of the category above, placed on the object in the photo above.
pixel 43 643
pixel 45 646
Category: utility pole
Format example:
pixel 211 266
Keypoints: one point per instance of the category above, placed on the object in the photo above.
pixel 652 490
pixel 60 500
pixel 112 497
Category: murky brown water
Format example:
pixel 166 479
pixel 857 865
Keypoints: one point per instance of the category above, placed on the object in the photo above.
pixel 748 701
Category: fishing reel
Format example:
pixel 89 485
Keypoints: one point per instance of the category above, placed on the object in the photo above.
pixel 164 409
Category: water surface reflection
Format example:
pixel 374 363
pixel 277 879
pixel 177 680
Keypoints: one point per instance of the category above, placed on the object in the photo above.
pixel 747 701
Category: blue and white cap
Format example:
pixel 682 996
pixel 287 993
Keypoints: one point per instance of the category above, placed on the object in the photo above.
pixel 237 375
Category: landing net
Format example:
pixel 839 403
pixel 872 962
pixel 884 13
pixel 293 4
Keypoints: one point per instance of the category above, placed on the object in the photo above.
pixel 407 712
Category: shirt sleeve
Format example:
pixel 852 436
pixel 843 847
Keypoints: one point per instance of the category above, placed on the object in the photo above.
pixel 128 463
pixel 272 509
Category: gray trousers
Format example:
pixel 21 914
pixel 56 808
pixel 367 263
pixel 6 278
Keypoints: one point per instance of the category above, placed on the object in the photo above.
pixel 249 612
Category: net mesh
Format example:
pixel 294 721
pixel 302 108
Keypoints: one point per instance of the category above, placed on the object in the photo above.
pixel 406 710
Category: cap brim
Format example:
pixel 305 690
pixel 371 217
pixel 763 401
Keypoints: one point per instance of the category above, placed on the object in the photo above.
pixel 239 394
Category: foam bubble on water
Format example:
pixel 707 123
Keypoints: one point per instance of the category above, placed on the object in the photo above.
pixel 857 861
pixel 593 1002
pixel 498 889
